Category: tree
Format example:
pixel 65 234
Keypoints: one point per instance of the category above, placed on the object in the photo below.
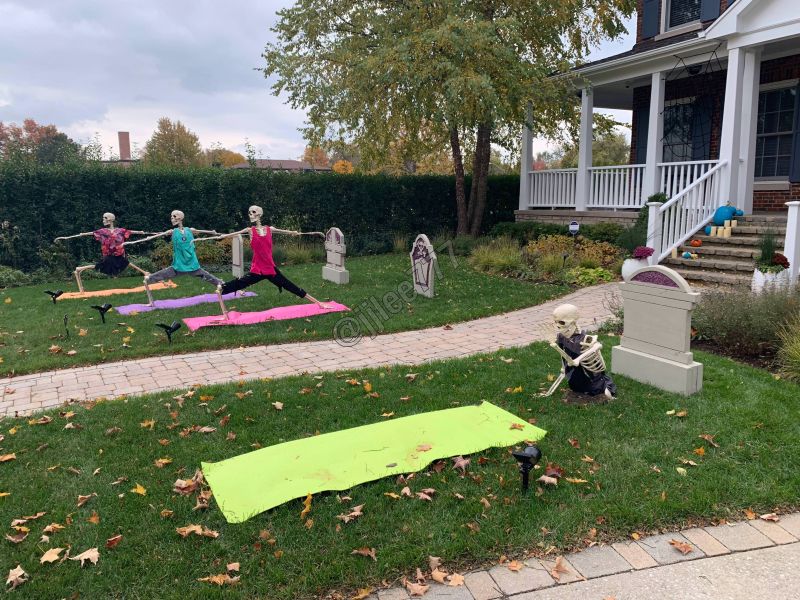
pixel 343 167
pixel 222 157
pixel 465 71
pixel 608 148
pixel 172 144
pixel 40 143
pixel 315 156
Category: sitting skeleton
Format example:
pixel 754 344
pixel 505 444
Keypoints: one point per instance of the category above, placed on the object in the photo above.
pixel 582 363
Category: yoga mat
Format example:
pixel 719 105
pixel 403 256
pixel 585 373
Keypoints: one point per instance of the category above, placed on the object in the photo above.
pixel 161 285
pixel 273 314
pixel 180 302
pixel 251 483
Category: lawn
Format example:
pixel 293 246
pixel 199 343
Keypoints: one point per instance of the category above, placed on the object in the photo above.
pixel 30 324
pixel 629 451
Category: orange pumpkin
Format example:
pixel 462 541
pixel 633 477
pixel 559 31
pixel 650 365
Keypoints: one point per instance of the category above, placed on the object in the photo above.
pixel 696 243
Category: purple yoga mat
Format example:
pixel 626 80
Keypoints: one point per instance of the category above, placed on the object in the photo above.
pixel 180 302
pixel 273 314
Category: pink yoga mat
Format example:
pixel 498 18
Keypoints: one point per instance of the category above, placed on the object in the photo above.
pixel 180 302
pixel 273 314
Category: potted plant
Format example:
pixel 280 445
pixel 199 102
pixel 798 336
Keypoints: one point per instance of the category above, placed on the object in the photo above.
pixel 639 260
pixel 771 266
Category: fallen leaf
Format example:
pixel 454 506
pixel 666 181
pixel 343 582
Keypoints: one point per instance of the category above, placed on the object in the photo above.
pixel 51 555
pixel 16 577
pixel 54 349
pixel 424 447
pixel 392 495
pixel 749 514
pixel 574 443
pixel 278 405
pixel 148 424
pixel 53 528
pixel 681 547
pixel 166 513
pixel 547 480
pixel 162 462
pixel 770 517
pixel 94 518
pixel 7 457
pixel 681 413
pixel 461 463
pixel 701 451
pixel 416 589
pixel 17 537
pixel 681 471
pixel 438 576
pixel 92 555
pixel 518 426
pixel 455 580
pixel 200 530
pixel 406 491
pixel 559 569
pixel 368 552
pixel 113 541
pixel 486 503
pixel 709 438
pixel 363 593
pixel 232 567
pixel 84 499
pixel 515 566
pixel 41 421
pixel 139 490
pixel 354 513
pixel 222 579
pixel 306 507
pixel 575 480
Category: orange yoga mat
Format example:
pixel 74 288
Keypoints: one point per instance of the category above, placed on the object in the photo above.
pixel 113 292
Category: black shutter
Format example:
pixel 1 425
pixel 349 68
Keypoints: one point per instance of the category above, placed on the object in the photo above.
pixel 650 18
pixel 794 169
pixel 642 126
pixel 709 10
pixel 701 129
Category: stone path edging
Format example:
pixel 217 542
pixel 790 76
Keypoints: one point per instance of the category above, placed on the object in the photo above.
pixel 653 552
pixel 25 394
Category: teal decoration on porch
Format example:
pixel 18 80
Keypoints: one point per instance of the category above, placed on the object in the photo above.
pixel 708 230
pixel 725 213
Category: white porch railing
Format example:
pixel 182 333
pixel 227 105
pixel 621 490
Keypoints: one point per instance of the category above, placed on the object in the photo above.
pixel 676 176
pixel 684 214
pixel 554 188
pixel 616 187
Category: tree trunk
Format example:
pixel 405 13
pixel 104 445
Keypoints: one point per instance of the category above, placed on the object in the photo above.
pixel 480 173
pixel 462 227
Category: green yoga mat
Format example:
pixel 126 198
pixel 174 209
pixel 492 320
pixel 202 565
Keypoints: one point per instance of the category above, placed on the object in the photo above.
pixel 251 483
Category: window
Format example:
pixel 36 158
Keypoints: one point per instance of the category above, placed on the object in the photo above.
pixel 775 131
pixel 682 12
pixel 678 118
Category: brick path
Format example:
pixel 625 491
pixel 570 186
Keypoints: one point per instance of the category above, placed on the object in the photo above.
pixel 651 568
pixel 28 393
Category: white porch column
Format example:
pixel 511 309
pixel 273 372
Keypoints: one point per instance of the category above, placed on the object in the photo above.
pixel 584 150
pixel 730 143
pixel 747 149
pixel 655 137
pixel 791 246
pixel 526 164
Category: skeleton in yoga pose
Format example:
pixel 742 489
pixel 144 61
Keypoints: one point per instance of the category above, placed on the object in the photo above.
pixel 263 265
pixel 111 241
pixel 184 257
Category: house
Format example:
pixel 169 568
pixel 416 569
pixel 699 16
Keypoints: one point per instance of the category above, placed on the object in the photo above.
pixel 714 91
pixel 290 166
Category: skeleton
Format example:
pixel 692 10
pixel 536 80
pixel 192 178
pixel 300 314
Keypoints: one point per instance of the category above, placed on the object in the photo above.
pixel 586 372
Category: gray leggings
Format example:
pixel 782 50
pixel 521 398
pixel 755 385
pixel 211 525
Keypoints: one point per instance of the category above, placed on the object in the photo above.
pixel 170 273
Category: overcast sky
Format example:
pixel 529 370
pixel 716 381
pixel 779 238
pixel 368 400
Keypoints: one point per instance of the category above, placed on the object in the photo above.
pixel 98 67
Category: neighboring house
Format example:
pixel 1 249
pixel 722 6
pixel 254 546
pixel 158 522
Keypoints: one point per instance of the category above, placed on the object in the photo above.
pixel 290 166
pixel 713 86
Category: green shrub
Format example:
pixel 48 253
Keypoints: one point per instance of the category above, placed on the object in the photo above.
pixel 602 232
pixel 585 277
pixel 580 251
pixel 401 243
pixel 552 268
pixel 12 278
pixel 499 256
pixel 298 253
pixel 463 245
pixel 745 324
pixel 635 236
pixel 525 231
pixel 789 351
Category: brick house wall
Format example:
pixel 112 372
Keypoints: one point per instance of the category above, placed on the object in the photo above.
pixel 772 71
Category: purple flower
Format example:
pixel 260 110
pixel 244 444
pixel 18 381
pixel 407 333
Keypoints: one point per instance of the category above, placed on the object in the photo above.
pixel 643 252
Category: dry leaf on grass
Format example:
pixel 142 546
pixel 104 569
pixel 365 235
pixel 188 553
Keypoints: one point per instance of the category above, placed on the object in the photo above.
pixel 306 507
pixel 160 463
pixel 461 463
pixel 200 530
pixel 368 552
pixel 363 593
pixel 148 424
pixel 547 480
pixel 139 489
pixel 84 499
pixel 709 438
pixel 16 577
pixel 7 457
pixel 51 555
pixel 92 555
pixel 222 579
pixel 681 547
pixel 354 513
pixel 94 518
pixel 113 541
pixel 17 537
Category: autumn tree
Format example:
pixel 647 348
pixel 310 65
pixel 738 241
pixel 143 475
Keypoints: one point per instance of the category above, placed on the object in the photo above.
pixel 315 156
pixel 343 167
pixel 466 70
pixel 608 148
pixel 43 144
pixel 172 144
pixel 222 157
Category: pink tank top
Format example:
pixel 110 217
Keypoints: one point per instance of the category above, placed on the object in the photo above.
pixel 263 263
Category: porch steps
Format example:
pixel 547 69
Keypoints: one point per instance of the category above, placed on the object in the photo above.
pixel 729 261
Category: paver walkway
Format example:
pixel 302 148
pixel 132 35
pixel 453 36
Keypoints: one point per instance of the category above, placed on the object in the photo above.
pixel 740 561
pixel 28 393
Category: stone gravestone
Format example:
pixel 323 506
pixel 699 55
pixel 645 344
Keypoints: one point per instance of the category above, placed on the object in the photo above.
pixel 237 255
pixel 335 250
pixel 654 348
pixel 424 266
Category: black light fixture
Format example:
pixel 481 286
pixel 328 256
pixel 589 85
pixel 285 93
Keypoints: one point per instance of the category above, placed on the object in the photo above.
pixel 169 329
pixel 526 460
pixel 54 295
pixel 102 310
pixel 694 69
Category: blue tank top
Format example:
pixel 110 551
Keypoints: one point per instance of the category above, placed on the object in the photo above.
pixel 184 258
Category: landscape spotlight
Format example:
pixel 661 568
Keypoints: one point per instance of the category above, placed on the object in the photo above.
pixel 527 458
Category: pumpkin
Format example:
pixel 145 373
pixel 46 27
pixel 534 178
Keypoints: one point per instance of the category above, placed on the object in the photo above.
pixel 695 243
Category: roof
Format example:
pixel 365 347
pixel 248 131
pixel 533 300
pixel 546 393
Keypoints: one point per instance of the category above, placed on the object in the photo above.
pixel 282 165
pixel 640 48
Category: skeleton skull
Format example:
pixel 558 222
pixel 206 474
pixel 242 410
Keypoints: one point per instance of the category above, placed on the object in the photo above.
pixel 255 213
pixel 108 219
pixel 176 216
pixel 565 317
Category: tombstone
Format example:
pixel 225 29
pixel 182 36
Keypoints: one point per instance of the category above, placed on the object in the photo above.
pixel 237 256
pixel 335 250
pixel 424 266
pixel 655 344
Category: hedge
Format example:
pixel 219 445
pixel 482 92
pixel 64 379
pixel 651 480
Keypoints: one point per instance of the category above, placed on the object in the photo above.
pixel 46 202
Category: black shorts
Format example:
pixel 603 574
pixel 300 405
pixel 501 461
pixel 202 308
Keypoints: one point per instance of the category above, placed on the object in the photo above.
pixel 112 265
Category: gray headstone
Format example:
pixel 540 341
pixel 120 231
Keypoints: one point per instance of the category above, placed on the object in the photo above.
pixel 335 251
pixel 424 266
pixel 237 254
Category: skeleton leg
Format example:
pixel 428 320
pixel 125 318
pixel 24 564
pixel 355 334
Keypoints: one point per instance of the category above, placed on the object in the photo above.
pixel 147 289
pixel 221 302
pixel 142 271
pixel 78 272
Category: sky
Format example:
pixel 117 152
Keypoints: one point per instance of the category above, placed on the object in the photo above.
pixel 93 68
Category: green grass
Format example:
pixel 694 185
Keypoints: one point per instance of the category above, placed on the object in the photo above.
pixel 637 488
pixel 30 324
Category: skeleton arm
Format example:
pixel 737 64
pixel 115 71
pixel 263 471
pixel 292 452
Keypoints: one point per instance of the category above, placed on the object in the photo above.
pixel 148 238
pixel 70 237
pixel 296 233
pixel 222 236
pixel 193 230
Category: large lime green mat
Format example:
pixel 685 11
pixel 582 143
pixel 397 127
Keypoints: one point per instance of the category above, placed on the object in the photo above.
pixel 251 483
